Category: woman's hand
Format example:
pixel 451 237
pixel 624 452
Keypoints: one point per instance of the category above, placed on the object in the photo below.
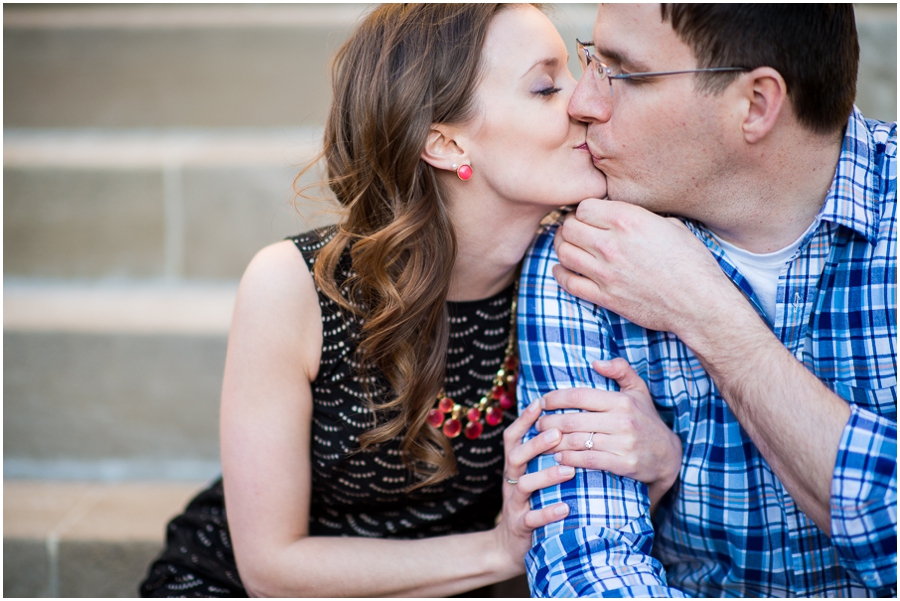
pixel 518 520
pixel 629 438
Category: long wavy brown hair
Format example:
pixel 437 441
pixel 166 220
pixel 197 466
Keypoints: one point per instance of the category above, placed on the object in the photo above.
pixel 406 67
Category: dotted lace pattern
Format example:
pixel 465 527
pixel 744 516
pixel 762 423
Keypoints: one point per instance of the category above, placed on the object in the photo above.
pixel 360 493
pixel 365 494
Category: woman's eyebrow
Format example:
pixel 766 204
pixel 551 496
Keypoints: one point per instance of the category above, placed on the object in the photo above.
pixel 549 62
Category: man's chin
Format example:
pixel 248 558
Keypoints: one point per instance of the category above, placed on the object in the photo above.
pixel 621 191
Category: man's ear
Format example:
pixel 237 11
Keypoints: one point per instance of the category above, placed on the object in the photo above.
pixel 766 95
pixel 441 148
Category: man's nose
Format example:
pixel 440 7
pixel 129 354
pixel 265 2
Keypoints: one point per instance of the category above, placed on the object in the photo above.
pixel 588 103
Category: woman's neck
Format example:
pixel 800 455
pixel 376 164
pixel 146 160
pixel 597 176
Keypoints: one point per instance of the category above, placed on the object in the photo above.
pixel 490 246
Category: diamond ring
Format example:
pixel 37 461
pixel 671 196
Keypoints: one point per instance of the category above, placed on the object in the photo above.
pixel 589 443
pixel 511 481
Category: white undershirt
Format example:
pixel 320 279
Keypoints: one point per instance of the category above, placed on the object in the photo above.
pixel 763 270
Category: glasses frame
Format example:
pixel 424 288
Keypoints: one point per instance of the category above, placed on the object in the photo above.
pixel 604 72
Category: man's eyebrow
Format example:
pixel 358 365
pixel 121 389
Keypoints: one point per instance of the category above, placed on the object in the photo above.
pixel 622 60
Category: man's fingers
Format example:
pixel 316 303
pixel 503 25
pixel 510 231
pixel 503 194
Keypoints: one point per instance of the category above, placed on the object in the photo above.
pixel 597 212
pixel 577 285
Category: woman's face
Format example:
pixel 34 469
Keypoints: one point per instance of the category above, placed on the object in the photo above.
pixel 523 145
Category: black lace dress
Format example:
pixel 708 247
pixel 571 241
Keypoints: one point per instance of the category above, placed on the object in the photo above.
pixel 356 493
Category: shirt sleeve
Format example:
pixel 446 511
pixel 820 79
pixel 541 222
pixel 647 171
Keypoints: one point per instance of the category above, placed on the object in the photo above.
pixel 602 548
pixel 864 499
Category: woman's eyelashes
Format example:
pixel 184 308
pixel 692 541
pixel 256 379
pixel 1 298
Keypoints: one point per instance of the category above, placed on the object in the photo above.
pixel 548 91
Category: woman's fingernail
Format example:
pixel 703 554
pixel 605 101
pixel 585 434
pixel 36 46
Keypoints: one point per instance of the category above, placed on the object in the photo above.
pixel 561 509
pixel 602 364
pixel 557 457
pixel 543 402
pixel 551 435
pixel 566 470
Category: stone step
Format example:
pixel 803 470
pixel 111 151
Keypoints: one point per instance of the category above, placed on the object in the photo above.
pixel 153 203
pixel 125 66
pixel 170 66
pixel 113 380
pixel 84 539
pixel 876 85
pixel 214 65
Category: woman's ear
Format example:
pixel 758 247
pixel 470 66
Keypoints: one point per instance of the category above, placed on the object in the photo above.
pixel 766 96
pixel 441 148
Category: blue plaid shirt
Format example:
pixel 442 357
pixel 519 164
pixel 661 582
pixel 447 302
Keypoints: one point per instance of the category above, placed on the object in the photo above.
pixel 728 526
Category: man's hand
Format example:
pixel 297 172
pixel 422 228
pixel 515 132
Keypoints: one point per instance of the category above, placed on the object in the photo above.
pixel 649 269
pixel 654 272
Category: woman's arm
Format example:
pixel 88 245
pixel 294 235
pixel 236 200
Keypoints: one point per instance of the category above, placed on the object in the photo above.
pixel 273 355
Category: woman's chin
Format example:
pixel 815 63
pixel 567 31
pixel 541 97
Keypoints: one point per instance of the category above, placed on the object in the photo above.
pixel 597 190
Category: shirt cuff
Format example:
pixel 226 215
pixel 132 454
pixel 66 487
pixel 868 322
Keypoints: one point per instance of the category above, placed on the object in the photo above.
pixel 864 499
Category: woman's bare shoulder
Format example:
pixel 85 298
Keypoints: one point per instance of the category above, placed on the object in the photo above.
pixel 277 300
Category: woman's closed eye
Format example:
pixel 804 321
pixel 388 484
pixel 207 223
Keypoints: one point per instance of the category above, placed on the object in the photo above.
pixel 548 91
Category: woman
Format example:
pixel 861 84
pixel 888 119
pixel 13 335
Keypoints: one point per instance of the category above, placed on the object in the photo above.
pixel 369 376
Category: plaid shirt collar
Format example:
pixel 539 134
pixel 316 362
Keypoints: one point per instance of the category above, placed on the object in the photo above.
pixel 854 198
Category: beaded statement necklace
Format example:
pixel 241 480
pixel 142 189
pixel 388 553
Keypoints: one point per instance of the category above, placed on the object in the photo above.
pixel 448 414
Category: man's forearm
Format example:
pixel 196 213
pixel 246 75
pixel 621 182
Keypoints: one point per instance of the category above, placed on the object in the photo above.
pixel 795 421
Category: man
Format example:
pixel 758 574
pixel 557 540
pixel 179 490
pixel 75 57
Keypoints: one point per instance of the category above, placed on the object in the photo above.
pixel 763 318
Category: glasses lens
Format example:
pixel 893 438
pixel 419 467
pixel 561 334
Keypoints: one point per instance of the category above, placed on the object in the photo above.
pixel 581 51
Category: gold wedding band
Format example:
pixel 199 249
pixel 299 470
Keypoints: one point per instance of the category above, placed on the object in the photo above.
pixel 510 481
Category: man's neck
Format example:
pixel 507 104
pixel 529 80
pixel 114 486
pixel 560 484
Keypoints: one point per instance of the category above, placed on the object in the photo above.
pixel 772 207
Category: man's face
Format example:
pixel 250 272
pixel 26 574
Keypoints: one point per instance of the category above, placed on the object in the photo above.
pixel 658 140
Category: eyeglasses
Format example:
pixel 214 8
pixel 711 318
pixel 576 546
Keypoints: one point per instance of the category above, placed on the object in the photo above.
pixel 585 57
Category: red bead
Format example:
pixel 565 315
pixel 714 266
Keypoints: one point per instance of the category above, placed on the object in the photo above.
pixel 474 414
pixel 446 404
pixel 452 428
pixel 497 392
pixel 507 400
pixel 494 416
pixel 435 418
pixel 511 362
pixel 464 173
pixel 474 430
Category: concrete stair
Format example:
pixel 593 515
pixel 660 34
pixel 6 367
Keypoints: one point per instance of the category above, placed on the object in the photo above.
pixel 84 539
pixel 149 152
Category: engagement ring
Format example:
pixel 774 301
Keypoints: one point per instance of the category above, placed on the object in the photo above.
pixel 589 444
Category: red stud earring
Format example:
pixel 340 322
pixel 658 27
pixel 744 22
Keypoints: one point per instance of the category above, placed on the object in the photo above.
pixel 464 173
